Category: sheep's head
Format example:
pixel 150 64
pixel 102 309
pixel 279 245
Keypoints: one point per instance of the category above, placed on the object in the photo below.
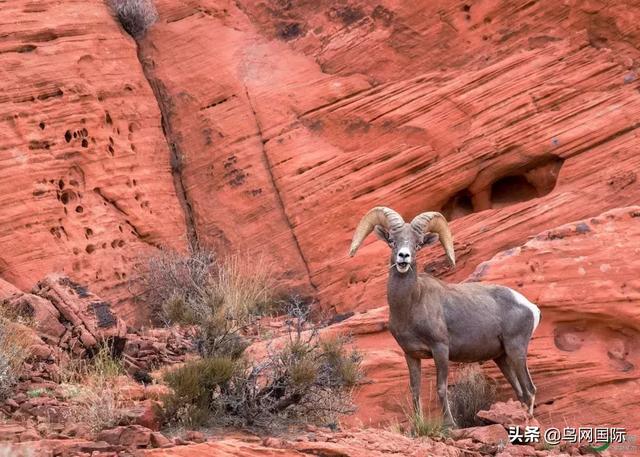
pixel 404 239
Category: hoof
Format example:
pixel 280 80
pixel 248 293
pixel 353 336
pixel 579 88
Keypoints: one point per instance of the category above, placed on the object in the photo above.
pixel 450 424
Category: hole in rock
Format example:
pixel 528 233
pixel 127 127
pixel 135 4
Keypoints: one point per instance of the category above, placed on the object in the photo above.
pixel 534 180
pixel 85 143
pixel 90 248
pixel 67 196
pixel 79 209
pixel 67 136
pixel 537 180
pixel 42 126
pixel 459 205
pixel 511 189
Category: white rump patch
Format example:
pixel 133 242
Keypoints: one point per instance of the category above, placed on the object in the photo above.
pixel 533 308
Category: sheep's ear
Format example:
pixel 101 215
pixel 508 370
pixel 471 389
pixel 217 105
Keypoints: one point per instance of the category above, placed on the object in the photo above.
pixel 428 238
pixel 382 233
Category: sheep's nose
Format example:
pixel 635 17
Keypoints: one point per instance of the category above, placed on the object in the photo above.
pixel 404 256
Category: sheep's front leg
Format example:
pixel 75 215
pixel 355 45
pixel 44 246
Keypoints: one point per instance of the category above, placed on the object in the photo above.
pixel 414 366
pixel 441 358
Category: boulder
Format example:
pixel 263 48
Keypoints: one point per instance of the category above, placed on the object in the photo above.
pixel 129 436
pixel 508 413
pixel 45 316
pixel 158 440
pixel 90 317
pixel 494 434
pixel 11 431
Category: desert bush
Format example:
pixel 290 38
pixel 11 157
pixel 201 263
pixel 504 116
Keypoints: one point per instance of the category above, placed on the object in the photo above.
pixel 306 377
pixel 14 350
pixel 91 390
pixel 136 16
pixel 472 392
pixel 175 284
pixel 196 386
pixel 97 404
pixel 192 287
pixel 219 298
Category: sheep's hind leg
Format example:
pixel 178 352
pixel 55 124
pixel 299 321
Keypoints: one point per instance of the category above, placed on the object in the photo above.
pixel 414 366
pixel 519 363
pixel 507 371
pixel 441 359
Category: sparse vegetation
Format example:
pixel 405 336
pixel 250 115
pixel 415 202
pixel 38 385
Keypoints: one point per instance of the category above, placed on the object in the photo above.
pixel 473 391
pixel 136 16
pixel 14 350
pixel 301 375
pixel 419 425
pixel 428 426
pixel 219 298
pixel 91 390
pixel 305 377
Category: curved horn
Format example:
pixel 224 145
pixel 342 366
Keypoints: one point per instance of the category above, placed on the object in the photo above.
pixel 380 215
pixel 435 222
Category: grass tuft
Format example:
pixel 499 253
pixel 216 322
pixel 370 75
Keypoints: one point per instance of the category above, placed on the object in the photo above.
pixel 15 340
pixel 431 427
pixel 472 392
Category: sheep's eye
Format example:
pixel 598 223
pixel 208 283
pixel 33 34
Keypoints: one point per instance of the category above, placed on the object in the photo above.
pixel 392 243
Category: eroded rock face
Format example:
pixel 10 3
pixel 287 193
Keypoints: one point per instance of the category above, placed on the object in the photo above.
pixel 318 111
pixel 85 174
pixel 283 123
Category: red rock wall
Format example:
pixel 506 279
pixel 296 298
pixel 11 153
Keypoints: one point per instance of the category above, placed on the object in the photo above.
pixel 85 184
pixel 500 113
pixel 285 122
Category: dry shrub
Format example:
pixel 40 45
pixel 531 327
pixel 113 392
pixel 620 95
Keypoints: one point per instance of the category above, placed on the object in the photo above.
pixel 14 350
pixel 136 16
pixel 189 288
pixel 243 285
pixel 97 404
pixel 174 284
pixel 472 392
pixel 307 378
pixel 219 297
pixel 91 389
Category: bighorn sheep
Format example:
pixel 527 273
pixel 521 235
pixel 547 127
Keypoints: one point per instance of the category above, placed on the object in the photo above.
pixel 466 322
